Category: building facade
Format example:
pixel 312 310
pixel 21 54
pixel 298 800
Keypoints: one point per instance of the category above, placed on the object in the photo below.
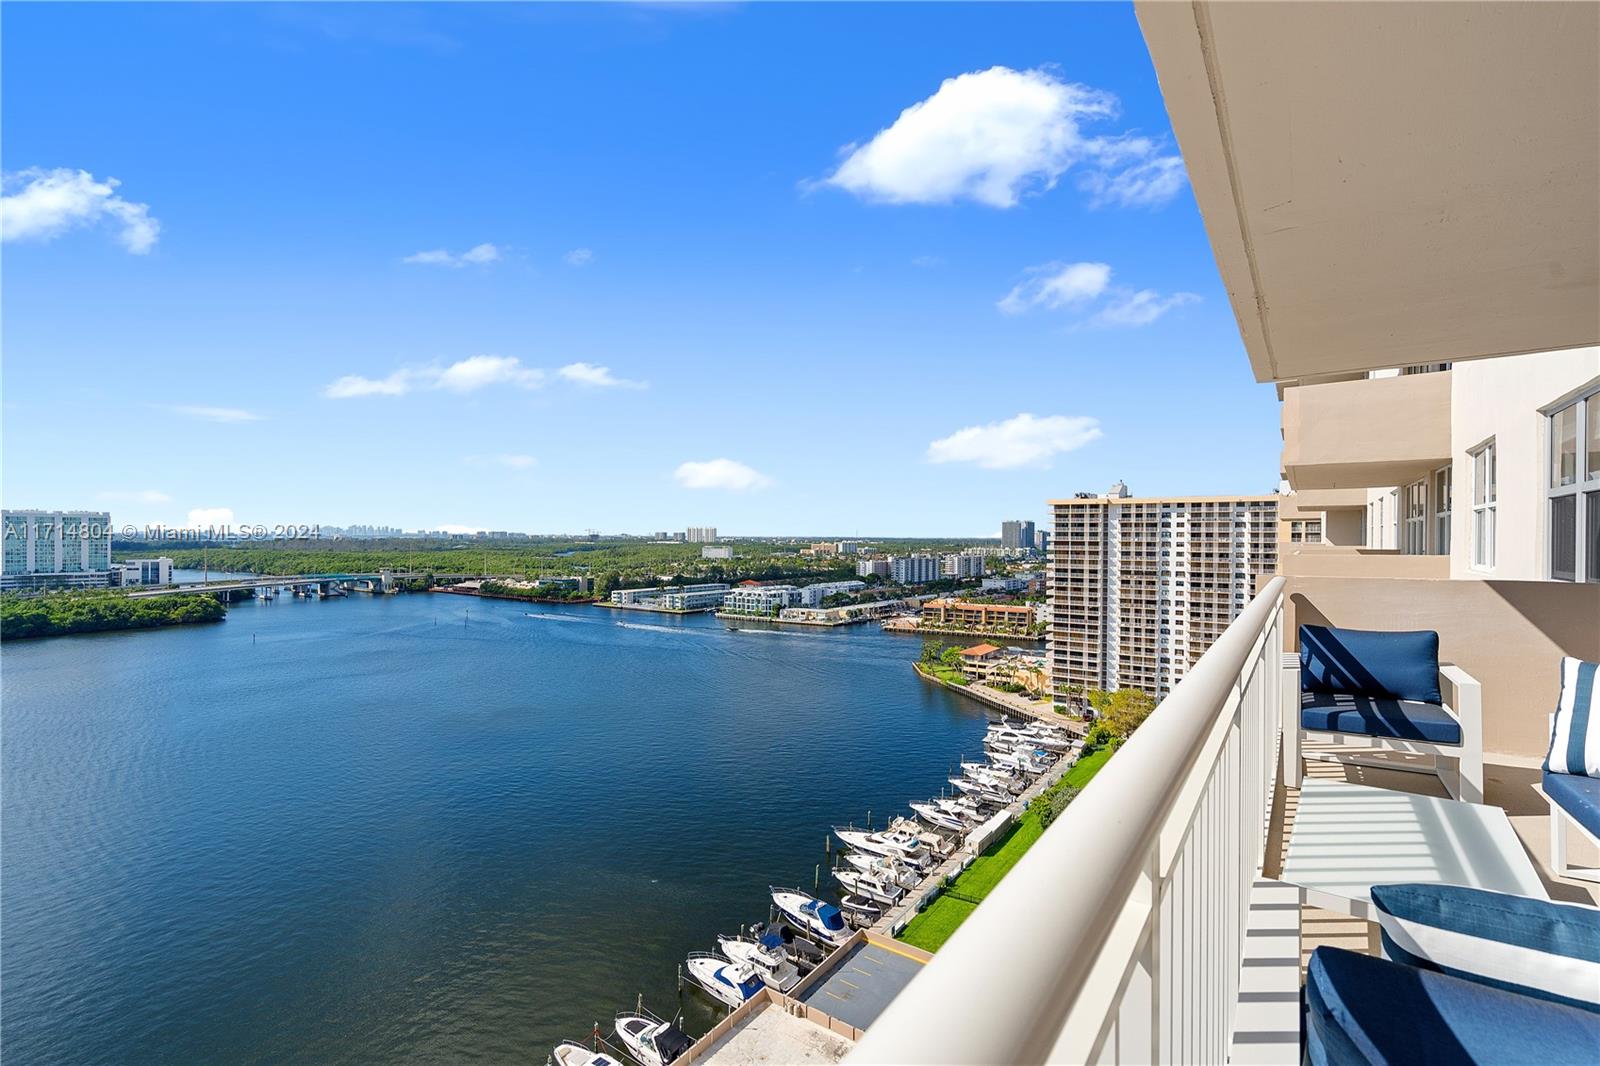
pixel 813 595
pixel 693 597
pixel 1016 533
pixel 716 551
pixel 55 549
pixel 700 534
pixel 761 599
pixel 944 612
pixel 872 568
pixel 962 564
pixel 143 572
pixel 914 569
pixel 1140 588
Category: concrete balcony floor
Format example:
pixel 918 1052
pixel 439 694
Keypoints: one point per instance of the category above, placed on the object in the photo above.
pixel 1506 785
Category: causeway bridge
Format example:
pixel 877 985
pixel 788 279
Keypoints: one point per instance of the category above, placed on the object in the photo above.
pixel 295 584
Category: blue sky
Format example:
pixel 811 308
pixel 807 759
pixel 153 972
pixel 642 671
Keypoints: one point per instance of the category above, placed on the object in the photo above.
pixel 667 267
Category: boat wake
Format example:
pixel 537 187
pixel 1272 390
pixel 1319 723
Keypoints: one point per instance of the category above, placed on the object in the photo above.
pixel 654 629
pixel 560 618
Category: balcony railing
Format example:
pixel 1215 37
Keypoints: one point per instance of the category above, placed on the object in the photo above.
pixel 1119 936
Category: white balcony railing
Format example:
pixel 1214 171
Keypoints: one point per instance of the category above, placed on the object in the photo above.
pixel 1119 936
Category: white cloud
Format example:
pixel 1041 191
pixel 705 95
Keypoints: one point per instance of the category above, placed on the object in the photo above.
pixel 996 135
pixel 135 496
pixel 579 257
pixel 1140 308
pixel 480 371
pixel 599 377
pixel 720 474
pixel 216 414
pixel 1149 182
pixel 210 517
pixel 467 375
pixel 41 205
pixel 1025 440
pixel 1056 285
pixel 480 254
pixel 354 385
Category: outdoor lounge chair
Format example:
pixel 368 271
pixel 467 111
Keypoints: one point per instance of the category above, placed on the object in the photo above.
pixel 1390 690
pixel 1569 783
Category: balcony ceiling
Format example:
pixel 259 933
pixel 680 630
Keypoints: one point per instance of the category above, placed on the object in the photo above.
pixel 1391 184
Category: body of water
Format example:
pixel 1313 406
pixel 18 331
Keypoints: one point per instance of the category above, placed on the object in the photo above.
pixel 375 829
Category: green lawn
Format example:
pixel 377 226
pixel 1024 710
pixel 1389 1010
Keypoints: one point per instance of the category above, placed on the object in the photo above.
pixel 930 929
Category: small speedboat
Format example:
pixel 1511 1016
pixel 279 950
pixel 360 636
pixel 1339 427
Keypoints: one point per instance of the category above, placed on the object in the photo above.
pixel 902 847
pixel 860 910
pixel 769 961
pixel 864 884
pixel 731 982
pixel 651 1040
pixel 811 915
pixel 569 1054
pixel 939 819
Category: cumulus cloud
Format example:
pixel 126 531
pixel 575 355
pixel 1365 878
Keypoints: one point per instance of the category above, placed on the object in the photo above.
pixel 994 136
pixel 1140 308
pixel 479 254
pixel 1056 285
pixel 579 257
pixel 210 517
pixel 216 414
pixel 597 377
pixel 135 496
pixel 466 375
pixel 726 474
pixel 1025 440
pixel 38 204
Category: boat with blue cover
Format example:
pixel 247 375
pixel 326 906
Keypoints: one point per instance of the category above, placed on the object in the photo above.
pixel 731 982
pixel 812 915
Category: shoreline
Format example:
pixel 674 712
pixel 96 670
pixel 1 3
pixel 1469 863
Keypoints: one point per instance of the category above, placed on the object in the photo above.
pixel 1003 701
pixel 947 631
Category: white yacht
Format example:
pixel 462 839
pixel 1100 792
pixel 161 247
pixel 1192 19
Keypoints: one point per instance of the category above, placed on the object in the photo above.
pixel 864 884
pixel 938 818
pixel 731 982
pixel 964 809
pixel 860 910
pixel 904 847
pixel 770 962
pixel 980 791
pixel 813 916
pixel 883 867
pixel 569 1054
pixel 650 1040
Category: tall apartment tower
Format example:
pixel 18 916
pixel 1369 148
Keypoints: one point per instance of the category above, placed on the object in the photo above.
pixel 1016 533
pixel 701 534
pixel 55 549
pixel 1140 588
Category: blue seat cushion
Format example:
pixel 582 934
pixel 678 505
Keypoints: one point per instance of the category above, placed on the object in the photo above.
pixel 1337 712
pixel 1578 796
pixel 1359 1009
pixel 1364 662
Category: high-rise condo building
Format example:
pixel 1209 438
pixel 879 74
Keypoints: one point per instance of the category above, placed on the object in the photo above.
pixel 1139 588
pixel 701 534
pixel 56 549
pixel 914 569
pixel 1016 533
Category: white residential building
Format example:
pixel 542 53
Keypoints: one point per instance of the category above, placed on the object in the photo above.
pixel 1016 533
pixel 143 572
pixel 914 569
pixel 848 547
pixel 813 595
pixel 761 599
pixel 872 568
pixel 693 598
pixel 701 534
pixel 962 564
pixel 1140 588
pixel 716 551
pixel 55 549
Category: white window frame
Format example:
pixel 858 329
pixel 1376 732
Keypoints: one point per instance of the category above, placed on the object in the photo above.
pixel 1443 485
pixel 1485 499
pixel 1585 481
pixel 1414 518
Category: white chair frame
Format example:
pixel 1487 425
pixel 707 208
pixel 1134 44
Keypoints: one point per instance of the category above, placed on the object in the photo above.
pixel 1559 820
pixel 1458 766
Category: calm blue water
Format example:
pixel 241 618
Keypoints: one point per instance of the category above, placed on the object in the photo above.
pixel 361 830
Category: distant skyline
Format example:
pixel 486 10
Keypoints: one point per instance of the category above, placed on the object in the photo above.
pixel 625 267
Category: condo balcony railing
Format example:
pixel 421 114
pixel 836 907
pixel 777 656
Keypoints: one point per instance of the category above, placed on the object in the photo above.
pixel 1120 935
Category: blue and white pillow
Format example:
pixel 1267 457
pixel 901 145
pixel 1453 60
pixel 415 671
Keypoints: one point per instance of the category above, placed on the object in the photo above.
pixel 1532 946
pixel 1575 741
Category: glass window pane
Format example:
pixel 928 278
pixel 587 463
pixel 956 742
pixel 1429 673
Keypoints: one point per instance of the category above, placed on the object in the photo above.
pixel 1479 478
pixel 1564 538
pixel 1591 534
pixel 1564 446
pixel 1592 448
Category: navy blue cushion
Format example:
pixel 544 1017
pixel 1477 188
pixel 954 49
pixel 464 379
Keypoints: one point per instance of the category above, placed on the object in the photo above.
pixel 1578 796
pixel 1334 712
pixel 1402 666
pixel 1364 1010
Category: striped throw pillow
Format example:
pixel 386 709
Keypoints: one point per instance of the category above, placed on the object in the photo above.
pixel 1575 741
pixel 1531 946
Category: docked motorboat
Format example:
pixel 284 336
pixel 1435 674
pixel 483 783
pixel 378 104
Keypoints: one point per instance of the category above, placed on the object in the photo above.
pixel 651 1040
pixel 900 846
pixel 804 953
pixel 1024 762
pixel 994 782
pixel 864 884
pixel 939 819
pixel 731 982
pixel 996 770
pixel 883 867
pixel 860 910
pixel 569 1054
pixel 812 915
pixel 980 791
pixel 769 961
pixel 964 809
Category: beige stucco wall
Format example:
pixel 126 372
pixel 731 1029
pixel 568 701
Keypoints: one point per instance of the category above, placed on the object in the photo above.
pixel 1510 635
pixel 1503 398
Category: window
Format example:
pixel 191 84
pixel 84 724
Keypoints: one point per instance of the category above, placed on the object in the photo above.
pixel 1574 490
pixel 1416 519
pixel 1483 505
pixel 1306 531
pixel 1443 487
